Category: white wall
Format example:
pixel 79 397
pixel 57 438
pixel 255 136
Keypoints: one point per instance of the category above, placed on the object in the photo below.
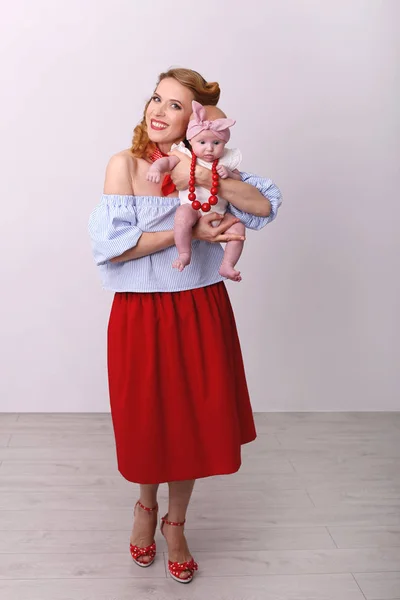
pixel 314 89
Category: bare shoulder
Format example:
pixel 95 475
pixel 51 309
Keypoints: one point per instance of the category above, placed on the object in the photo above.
pixel 120 174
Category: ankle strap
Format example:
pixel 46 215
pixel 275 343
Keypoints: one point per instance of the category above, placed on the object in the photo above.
pixel 145 507
pixel 164 520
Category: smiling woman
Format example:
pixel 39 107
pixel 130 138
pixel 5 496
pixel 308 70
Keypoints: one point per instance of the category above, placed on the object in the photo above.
pixel 177 88
pixel 178 392
pixel 166 114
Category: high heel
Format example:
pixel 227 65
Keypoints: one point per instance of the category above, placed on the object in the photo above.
pixel 149 551
pixel 176 568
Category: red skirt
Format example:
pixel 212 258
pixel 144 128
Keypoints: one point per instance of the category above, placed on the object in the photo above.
pixel 179 400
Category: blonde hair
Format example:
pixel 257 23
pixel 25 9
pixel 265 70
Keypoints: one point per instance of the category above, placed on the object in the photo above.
pixel 203 92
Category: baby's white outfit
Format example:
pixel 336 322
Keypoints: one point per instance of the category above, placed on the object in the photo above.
pixel 231 159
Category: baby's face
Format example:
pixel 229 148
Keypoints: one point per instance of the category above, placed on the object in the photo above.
pixel 207 146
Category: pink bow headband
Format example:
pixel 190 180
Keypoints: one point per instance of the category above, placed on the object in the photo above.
pixel 220 127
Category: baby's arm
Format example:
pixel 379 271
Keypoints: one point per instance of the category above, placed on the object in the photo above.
pixel 224 173
pixel 162 165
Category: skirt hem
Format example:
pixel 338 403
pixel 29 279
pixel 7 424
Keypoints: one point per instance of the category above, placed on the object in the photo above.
pixel 227 471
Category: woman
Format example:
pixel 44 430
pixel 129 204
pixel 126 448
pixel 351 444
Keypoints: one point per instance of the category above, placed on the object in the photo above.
pixel 178 394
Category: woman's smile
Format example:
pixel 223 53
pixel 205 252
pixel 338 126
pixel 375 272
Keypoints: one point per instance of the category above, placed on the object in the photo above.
pixel 158 125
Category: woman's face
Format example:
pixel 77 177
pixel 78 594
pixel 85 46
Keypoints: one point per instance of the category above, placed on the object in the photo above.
pixel 168 113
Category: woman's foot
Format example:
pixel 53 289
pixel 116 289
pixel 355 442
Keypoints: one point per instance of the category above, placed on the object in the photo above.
pixel 178 550
pixel 143 532
pixel 229 272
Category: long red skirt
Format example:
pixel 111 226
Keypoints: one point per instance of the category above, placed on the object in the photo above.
pixel 179 400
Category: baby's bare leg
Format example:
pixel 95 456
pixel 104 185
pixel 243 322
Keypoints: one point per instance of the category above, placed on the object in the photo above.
pixel 232 254
pixel 186 217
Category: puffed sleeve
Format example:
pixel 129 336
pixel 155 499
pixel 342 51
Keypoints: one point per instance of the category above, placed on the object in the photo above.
pixel 112 227
pixel 269 190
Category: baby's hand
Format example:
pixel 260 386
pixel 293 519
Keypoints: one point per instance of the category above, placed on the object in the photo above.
pixel 222 171
pixel 153 175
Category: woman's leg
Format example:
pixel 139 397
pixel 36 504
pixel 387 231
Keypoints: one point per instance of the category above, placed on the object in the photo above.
pixel 179 497
pixel 145 523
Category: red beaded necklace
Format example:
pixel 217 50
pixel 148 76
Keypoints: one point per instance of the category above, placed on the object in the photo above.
pixel 213 199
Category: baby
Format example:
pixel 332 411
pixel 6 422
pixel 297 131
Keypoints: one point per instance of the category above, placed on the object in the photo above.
pixel 208 133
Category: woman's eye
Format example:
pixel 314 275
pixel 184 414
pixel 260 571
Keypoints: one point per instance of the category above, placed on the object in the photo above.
pixel 156 99
pixel 177 106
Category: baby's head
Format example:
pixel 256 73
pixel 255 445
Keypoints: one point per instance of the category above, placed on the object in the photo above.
pixel 208 131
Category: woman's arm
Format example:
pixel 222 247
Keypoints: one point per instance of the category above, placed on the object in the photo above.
pixel 244 196
pixel 269 190
pixel 112 225
pixel 149 243
pixel 241 195
pixel 120 174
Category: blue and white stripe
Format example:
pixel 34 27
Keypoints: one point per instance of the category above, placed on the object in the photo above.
pixel 117 223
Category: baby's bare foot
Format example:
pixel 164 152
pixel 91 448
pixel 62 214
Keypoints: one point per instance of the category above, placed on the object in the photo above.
pixel 229 272
pixel 182 261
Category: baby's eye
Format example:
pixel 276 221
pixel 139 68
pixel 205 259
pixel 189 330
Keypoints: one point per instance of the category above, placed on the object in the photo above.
pixel 216 143
pixel 202 142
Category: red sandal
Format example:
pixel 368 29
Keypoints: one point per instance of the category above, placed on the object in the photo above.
pixel 176 568
pixel 149 551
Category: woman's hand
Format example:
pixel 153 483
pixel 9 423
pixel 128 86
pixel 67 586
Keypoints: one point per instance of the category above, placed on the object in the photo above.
pixel 204 231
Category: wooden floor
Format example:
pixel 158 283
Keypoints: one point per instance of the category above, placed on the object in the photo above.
pixel 313 514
